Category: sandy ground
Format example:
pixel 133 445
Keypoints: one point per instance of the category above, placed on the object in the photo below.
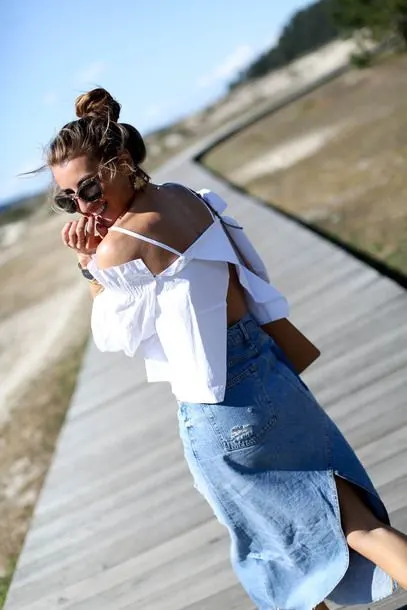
pixel 32 339
pixel 41 288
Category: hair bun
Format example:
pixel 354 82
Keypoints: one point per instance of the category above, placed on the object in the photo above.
pixel 97 103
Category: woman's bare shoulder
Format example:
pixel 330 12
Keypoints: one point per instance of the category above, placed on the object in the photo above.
pixel 118 248
pixel 171 215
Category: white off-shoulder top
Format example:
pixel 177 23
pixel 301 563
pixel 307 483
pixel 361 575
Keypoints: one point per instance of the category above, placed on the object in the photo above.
pixel 178 317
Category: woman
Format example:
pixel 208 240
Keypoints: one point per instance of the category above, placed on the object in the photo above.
pixel 304 518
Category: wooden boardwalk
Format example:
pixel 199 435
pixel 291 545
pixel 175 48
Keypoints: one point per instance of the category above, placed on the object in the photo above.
pixel 119 526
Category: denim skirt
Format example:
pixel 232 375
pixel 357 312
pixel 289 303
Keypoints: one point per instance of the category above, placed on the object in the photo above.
pixel 265 460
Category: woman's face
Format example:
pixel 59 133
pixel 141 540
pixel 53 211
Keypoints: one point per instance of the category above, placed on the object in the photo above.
pixel 116 192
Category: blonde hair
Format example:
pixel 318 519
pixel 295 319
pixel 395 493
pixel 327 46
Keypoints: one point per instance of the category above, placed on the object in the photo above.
pixel 97 134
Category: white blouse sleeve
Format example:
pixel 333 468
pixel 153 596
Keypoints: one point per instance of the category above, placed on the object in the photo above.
pixel 246 248
pixel 266 303
pixel 120 322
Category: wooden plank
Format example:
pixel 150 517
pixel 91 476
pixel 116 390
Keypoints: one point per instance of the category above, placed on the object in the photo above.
pixel 231 599
pixel 394 494
pixel 106 549
pixel 203 540
pixel 374 418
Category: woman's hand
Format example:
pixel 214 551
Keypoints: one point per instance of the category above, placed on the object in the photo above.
pixel 83 235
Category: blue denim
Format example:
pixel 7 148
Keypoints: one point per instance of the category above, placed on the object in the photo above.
pixel 265 460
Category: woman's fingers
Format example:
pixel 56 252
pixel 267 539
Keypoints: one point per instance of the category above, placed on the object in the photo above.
pixel 80 233
pixel 72 237
pixel 91 225
pixel 65 233
pixel 92 240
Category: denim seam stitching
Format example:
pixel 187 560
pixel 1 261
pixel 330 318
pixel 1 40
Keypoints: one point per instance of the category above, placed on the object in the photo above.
pixel 240 376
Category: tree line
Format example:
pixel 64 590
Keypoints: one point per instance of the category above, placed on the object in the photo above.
pixel 324 21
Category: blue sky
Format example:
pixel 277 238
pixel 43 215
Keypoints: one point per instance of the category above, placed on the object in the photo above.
pixel 161 59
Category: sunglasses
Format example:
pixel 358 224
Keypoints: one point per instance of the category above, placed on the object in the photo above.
pixel 89 191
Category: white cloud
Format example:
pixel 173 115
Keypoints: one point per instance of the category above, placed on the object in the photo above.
pixel 229 67
pixel 50 98
pixel 91 73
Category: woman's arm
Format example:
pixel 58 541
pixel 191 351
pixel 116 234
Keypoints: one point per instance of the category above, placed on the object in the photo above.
pixel 94 287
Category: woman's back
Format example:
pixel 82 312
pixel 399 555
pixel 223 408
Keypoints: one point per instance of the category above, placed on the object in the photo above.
pixel 173 216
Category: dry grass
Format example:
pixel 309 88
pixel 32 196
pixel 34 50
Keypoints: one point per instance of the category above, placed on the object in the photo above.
pixel 355 184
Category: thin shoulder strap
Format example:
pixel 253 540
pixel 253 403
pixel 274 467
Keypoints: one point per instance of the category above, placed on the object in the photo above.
pixel 208 206
pixel 154 242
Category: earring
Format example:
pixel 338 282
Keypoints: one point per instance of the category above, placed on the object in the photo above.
pixel 140 179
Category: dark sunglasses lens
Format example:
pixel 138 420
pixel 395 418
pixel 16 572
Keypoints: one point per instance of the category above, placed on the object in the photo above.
pixel 90 191
pixel 67 204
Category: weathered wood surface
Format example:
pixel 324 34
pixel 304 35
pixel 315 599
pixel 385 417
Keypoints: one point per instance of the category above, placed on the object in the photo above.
pixel 119 525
